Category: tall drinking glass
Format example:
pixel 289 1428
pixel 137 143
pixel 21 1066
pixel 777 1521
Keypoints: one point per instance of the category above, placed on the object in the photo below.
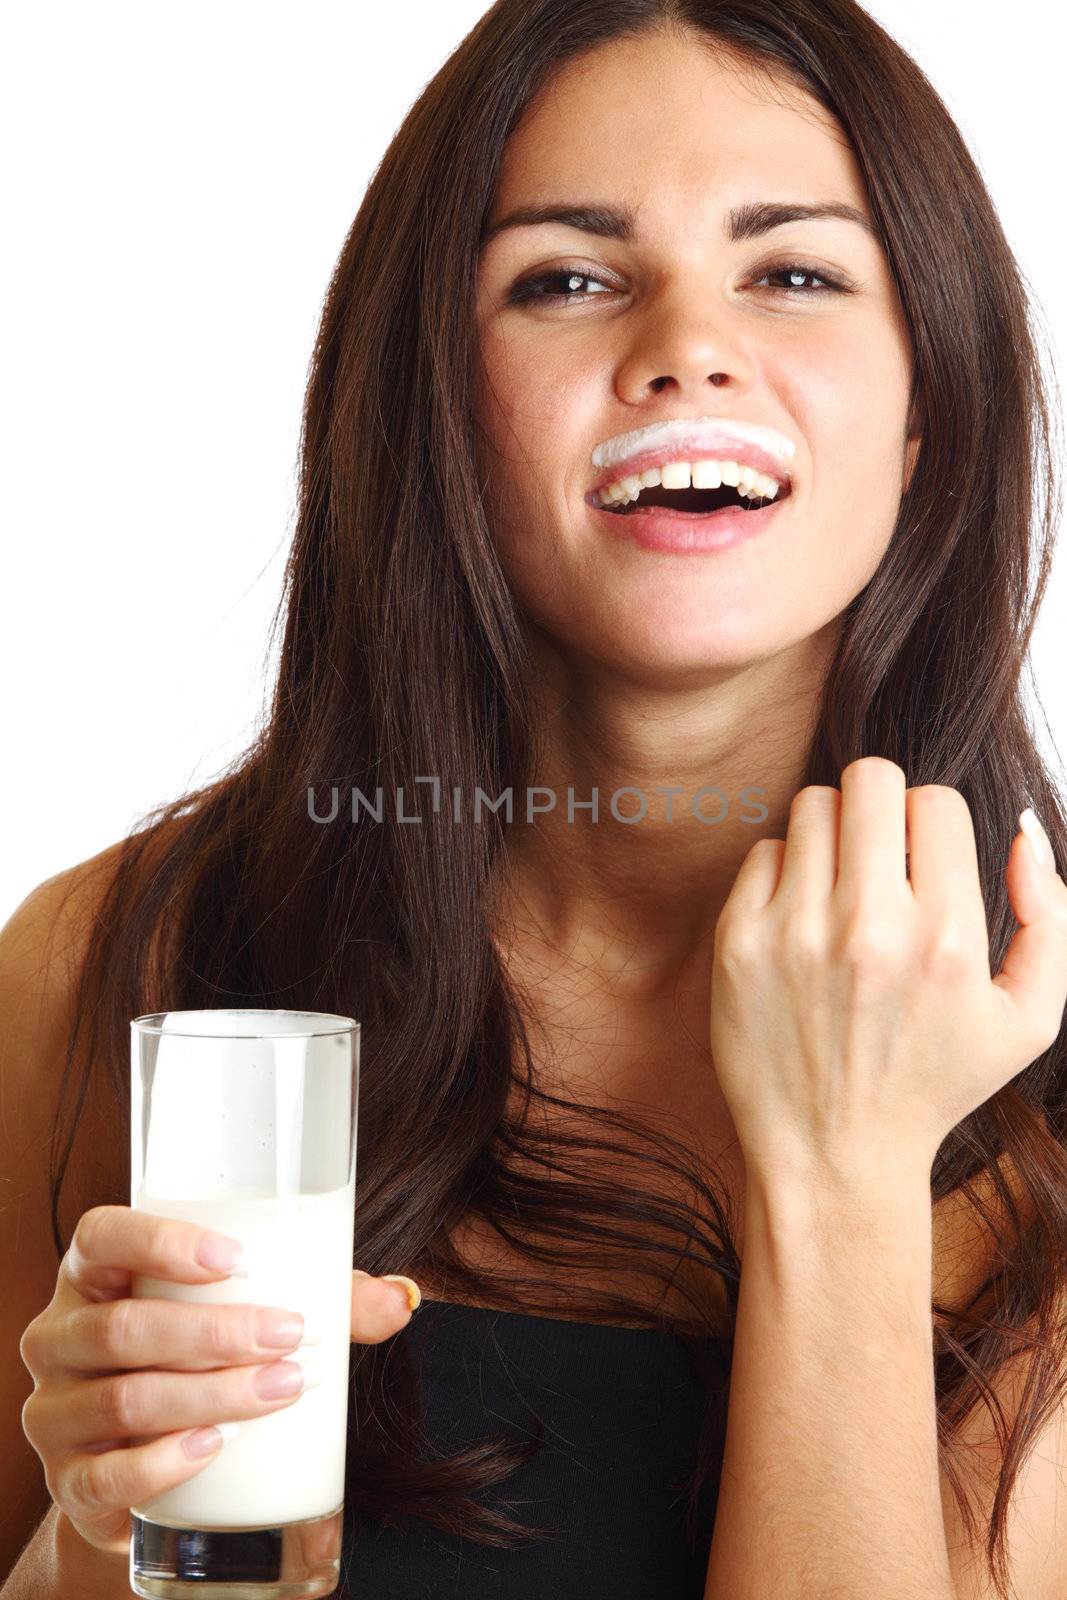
pixel 244 1121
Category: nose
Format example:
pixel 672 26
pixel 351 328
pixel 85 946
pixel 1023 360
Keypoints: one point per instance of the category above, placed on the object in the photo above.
pixel 683 351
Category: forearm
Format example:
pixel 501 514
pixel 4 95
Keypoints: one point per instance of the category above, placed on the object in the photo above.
pixel 830 1483
pixel 58 1564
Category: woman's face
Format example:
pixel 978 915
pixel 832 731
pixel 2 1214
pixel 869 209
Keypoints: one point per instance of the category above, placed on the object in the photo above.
pixel 683 321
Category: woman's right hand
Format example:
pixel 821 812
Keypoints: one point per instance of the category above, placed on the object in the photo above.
pixel 108 1368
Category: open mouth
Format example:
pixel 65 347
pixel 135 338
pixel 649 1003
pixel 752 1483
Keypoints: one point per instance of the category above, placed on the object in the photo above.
pixel 696 502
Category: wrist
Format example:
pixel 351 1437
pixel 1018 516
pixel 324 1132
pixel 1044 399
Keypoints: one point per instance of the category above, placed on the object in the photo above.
pixel 835 1174
pixel 853 1193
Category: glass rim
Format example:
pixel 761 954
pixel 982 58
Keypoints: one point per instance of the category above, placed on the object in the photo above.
pixel 151 1023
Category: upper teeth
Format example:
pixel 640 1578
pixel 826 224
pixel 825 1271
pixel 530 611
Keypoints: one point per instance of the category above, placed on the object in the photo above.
pixel 698 474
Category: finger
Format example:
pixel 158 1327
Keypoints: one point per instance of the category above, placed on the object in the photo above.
pixel 1033 973
pixel 379 1308
pixel 95 1488
pixel 119 1335
pixel 944 859
pixel 755 883
pixel 870 847
pixel 111 1243
pixel 809 862
pixel 131 1405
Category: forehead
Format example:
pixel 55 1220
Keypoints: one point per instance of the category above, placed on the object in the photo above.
pixel 670 120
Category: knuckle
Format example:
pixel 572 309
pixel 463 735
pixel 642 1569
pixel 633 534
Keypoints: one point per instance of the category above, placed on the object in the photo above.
pixel 243 1334
pixel 737 941
pixel 227 1331
pixel 803 938
pixel 120 1405
pixel 29 1344
pixel 160 1235
pixel 86 1483
pixel 115 1325
pixel 90 1230
pixel 871 946
pixel 764 847
pixel 28 1419
pixel 948 954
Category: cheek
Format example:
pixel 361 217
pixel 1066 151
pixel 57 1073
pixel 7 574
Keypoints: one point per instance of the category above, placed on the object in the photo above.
pixel 528 389
pixel 848 390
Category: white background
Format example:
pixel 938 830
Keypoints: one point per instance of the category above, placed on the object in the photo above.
pixel 178 181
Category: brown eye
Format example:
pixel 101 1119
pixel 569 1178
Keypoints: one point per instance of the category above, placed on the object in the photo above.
pixel 534 288
pixel 794 270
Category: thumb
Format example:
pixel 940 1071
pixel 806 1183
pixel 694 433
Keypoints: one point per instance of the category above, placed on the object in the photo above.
pixel 1033 974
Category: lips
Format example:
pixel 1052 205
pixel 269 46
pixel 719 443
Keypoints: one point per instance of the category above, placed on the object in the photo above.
pixel 668 531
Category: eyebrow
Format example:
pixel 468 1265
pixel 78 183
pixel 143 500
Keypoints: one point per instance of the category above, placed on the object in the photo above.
pixel 745 221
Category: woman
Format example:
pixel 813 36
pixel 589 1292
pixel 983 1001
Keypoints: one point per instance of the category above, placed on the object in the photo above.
pixel 608 1054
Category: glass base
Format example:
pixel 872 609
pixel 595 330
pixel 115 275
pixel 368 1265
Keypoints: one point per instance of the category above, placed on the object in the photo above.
pixel 271 1563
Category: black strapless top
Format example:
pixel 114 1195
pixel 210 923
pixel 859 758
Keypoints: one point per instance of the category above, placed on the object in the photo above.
pixel 621 1411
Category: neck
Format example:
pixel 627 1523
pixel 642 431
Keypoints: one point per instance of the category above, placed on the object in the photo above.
pixel 716 766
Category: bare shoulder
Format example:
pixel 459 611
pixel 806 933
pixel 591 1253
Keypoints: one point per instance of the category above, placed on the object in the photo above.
pixel 42 947
pixel 45 936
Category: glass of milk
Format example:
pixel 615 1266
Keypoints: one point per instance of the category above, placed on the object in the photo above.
pixel 244 1122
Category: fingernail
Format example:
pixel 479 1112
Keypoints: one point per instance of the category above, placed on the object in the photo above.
pixel 1037 839
pixel 205 1441
pixel 412 1292
pixel 278 1328
pixel 221 1254
pixel 275 1383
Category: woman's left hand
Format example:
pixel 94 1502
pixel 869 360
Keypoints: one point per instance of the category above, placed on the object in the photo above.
pixel 853 1014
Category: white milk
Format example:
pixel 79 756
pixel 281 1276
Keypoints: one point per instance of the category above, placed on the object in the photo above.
pixel 289 1465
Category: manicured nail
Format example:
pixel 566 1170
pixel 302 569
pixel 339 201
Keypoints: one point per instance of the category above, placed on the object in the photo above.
pixel 410 1287
pixel 1037 839
pixel 205 1441
pixel 279 1328
pixel 279 1381
pixel 221 1254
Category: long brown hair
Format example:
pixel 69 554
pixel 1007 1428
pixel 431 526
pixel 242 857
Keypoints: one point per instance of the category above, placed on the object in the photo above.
pixel 402 657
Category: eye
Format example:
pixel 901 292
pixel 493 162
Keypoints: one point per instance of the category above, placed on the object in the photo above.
pixel 793 270
pixel 532 288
